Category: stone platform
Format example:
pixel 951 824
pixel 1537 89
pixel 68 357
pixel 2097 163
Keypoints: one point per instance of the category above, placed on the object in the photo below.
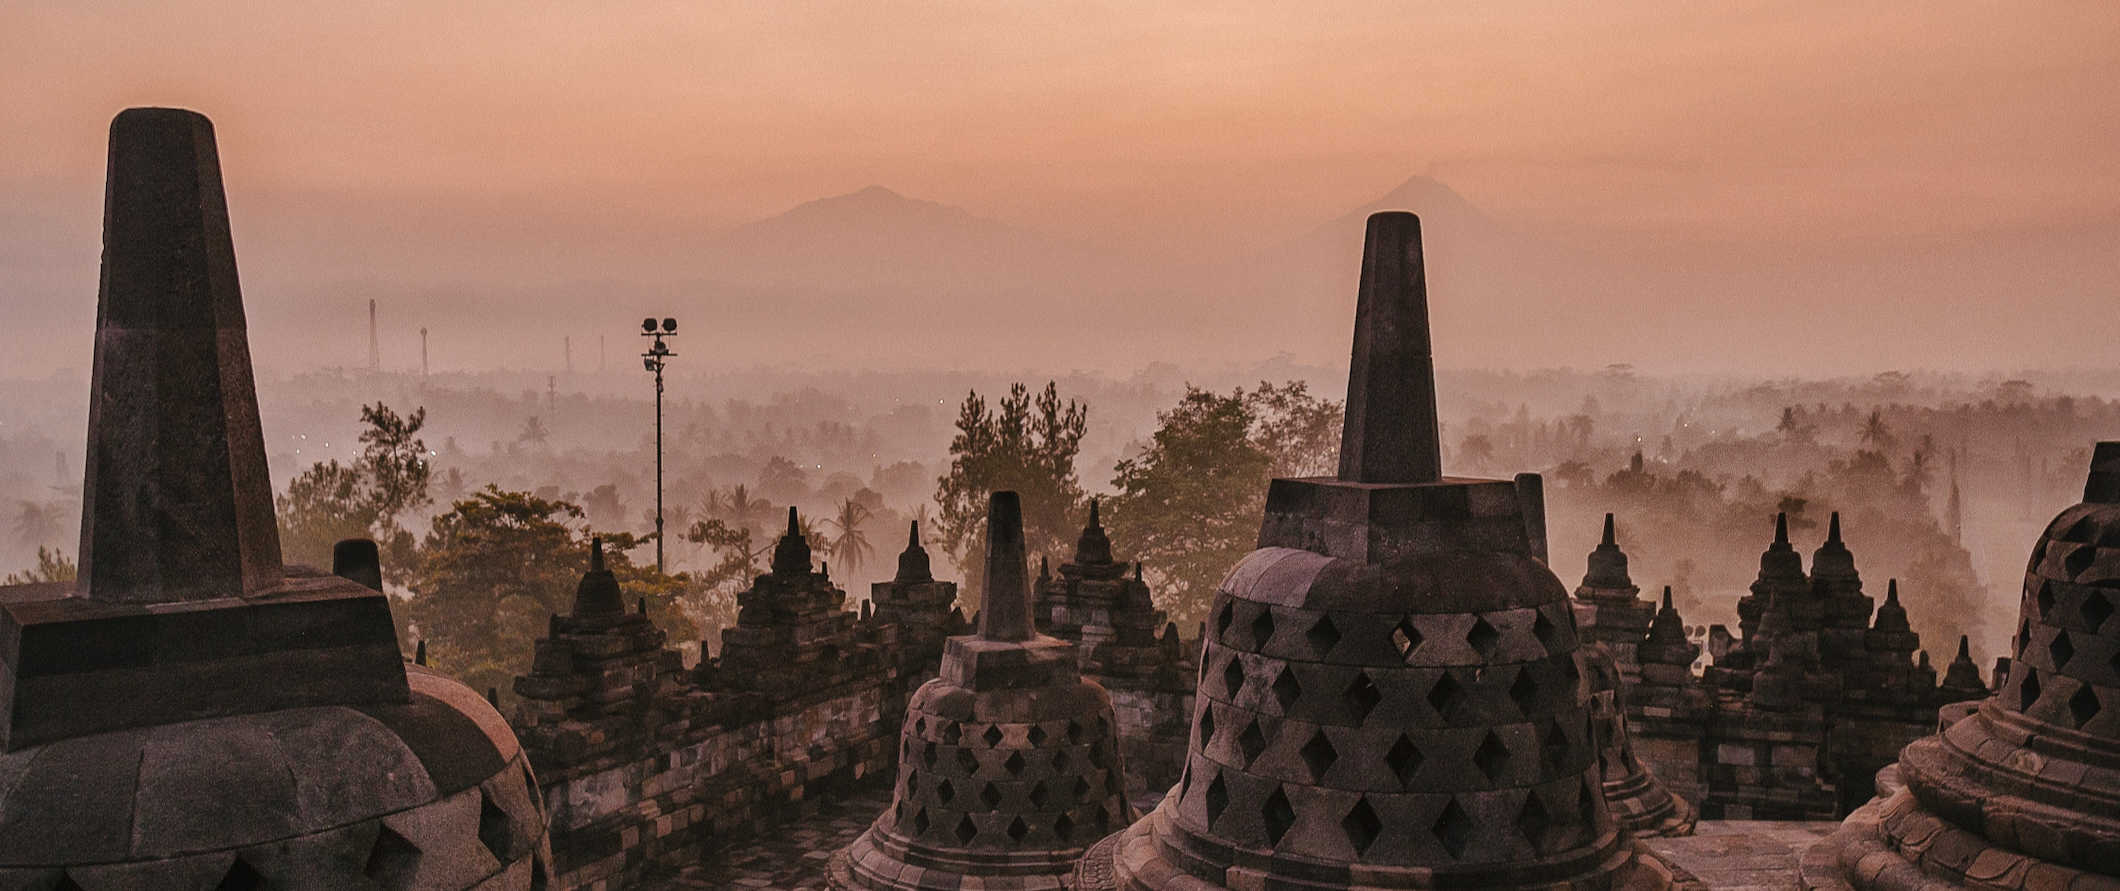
pixel 1740 855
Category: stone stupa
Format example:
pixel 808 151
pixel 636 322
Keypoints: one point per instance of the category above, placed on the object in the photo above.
pixel 1390 694
pixel 2024 790
pixel 1009 763
pixel 190 713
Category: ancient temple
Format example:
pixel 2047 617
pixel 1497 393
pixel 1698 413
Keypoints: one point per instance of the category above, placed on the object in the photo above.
pixel 1128 647
pixel 2023 791
pixel 1389 693
pixel 1009 764
pixel 1798 735
pixel 593 670
pixel 793 633
pixel 191 712
pixel 920 612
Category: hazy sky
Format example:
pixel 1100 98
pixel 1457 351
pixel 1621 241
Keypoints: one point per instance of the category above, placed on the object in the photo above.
pixel 516 141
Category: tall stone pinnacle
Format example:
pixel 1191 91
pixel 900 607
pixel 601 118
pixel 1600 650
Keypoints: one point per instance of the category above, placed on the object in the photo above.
pixel 1390 433
pixel 1781 528
pixel 913 565
pixel 1610 540
pixel 176 501
pixel 1832 530
pixel 1094 547
pixel 598 593
pixel 1006 615
pixel 792 553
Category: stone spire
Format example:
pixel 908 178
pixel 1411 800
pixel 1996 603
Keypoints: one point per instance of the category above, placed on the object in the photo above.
pixel 1390 433
pixel 1780 573
pixel 913 561
pixel 1639 801
pixel 2021 791
pixel 792 553
pixel 1094 547
pixel 1608 565
pixel 1961 678
pixel 1305 769
pixel 598 593
pixel 176 502
pixel 1006 612
pixel 1667 642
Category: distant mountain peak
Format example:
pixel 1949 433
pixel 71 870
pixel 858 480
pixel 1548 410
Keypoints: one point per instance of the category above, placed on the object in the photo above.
pixel 1424 195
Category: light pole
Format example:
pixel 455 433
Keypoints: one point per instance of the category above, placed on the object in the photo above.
pixel 657 355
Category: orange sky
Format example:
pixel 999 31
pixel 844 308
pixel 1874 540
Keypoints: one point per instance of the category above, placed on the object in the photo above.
pixel 517 140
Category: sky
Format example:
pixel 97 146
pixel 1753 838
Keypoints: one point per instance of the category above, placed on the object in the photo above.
pixel 422 150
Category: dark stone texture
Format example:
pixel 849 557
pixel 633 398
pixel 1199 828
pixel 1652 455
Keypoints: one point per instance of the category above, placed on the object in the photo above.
pixel 177 504
pixel 1006 614
pixel 1390 433
pixel 357 560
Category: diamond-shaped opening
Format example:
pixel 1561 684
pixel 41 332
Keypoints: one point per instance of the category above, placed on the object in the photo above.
pixel 1104 821
pixel 241 876
pixel 1083 792
pixel 1286 688
pixel 1483 636
pixel 1039 795
pixel 1262 628
pixel 1322 636
pixel 2024 635
pixel 392 860
pixel 2045 597
pixel 912 782
pixel 1587 798
pixel 921 821
pixel 952 733
pixel 539 880
pixel 1555 748
pixel 1318 755
pixel 1405 638
pixel 1524 690
pixel 920 726
pixel 1223 618
pixel 1233 678
pixel 1491 757
pixel 1064 828
pixel 1447 695
pixel 2083 705
pixel 1036 735
pixel 1014 764
pixel 1547 632
pixel 2028 692
pixel 1251 742
pixel 1017 829
pixel 493 828
pixel 1362 695
pixel 1362 825
pixel 1098 757
pixel 1404 759
pixel 1207 724
pixel 2079 559
pixel 1074 733
pixel 1453 827
pixel 1060 761
pixel 967 761
pixel 1279 815
pixel 1217 799
pixel 2061 649
pixel 1534 822
pixel 1570 672
pixel 944 791
pixel 927 755
pixel 2096 609
pixel 992 735
pixel 966 829
pixel 990 795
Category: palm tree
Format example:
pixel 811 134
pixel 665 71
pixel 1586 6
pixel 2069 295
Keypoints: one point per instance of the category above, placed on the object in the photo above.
pixel 737 508
pixel 850 546
pixel 1875 433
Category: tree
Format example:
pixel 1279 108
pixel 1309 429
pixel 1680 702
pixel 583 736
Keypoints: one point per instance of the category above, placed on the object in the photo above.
pixel 1477 450
pixel 736 507
pixel 847 544
pixel 1025 446
pixel 366 499
pixel 52 566
pixel 533 432
pixel 1299 431
pixel 1876 434
pixel 1189 504
pixel 497 565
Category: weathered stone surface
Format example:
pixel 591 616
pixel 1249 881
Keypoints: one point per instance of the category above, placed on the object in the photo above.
pixel 2022 792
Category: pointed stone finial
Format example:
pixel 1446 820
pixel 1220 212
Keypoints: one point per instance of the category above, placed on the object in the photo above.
pixel 1667 588
pixel 1833 530
pixel 792 554
pixel 1965 648
pixel 2103 485
pixel 419 654
pixel 1390 434
pixel 176 500
pixel 1137 570
pixel 1094 548
pixel 913 563
pixel 598 593
pixel 357 560
pixel 1781 528
pixel 1006 614
pixel 1044 573
pixel 1891 592
pixel 1611 540
pixel 824 570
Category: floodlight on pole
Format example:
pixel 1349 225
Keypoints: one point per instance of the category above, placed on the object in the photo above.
pixel 653 360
